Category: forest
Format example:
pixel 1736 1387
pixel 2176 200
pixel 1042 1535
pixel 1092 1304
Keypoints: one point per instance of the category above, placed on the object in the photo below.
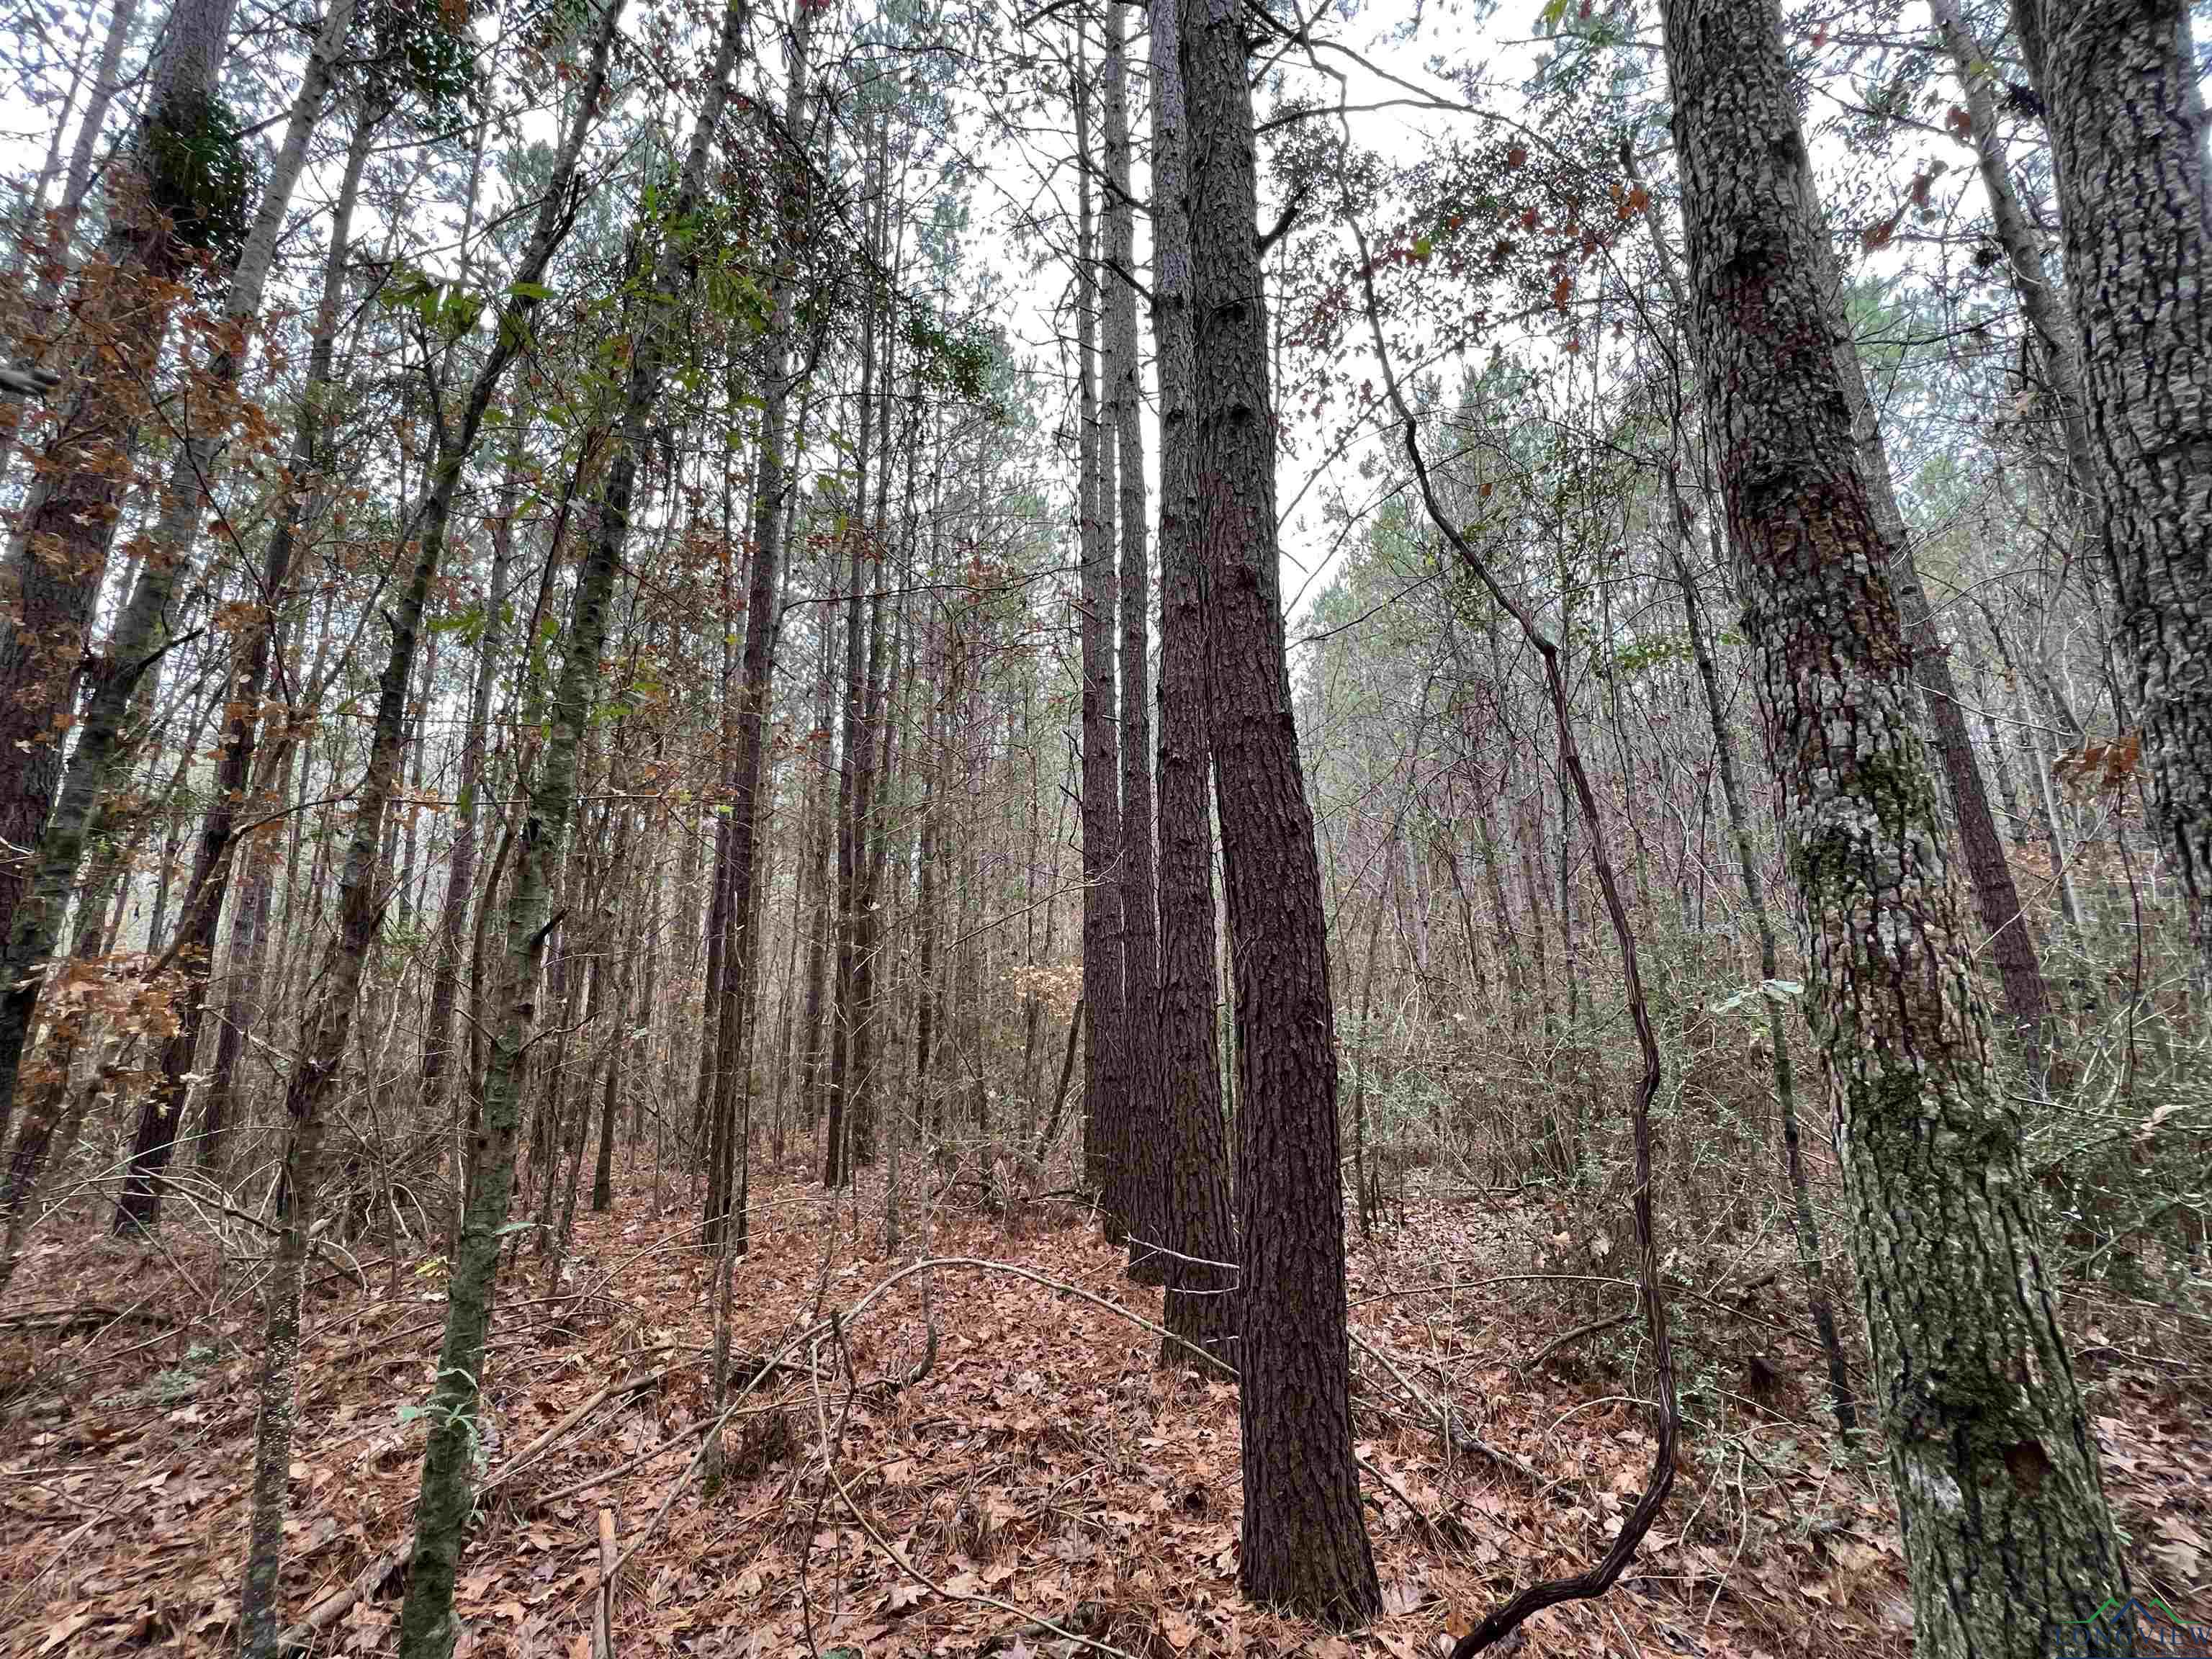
pixel 1056 827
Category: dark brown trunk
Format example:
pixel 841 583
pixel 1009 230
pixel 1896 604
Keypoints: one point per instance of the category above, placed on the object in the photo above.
pixel 1191 1166
pixel 1304 1542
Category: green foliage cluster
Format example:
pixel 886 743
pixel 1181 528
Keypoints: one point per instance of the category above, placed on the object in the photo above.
pixel 427 49
pixel 958 357
pixel 198 171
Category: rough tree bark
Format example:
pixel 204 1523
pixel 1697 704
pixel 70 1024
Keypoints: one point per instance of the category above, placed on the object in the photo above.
pixel 1105 1056
pixel 1305 1544
pixel 2119 85
pixel 1193 1163
pixel 2006 1529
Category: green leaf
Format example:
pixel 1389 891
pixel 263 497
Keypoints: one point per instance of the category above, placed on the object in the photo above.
pixel 530 290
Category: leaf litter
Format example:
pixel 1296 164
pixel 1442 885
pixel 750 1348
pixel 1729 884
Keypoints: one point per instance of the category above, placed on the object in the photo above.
pixel 1029 1483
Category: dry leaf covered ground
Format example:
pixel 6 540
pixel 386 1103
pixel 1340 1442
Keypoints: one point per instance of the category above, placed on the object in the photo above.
pixel 1035 1466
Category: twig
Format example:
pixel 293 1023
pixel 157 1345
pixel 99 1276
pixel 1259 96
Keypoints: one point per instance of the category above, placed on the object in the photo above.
pixel 334 1605
pixel 602 1620
pixel 1449 1426
pixel 627 1386
pixel 1576 1336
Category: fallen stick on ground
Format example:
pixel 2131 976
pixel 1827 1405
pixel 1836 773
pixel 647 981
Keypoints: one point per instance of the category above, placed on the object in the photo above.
pixel 340 1601
pixel 602 1617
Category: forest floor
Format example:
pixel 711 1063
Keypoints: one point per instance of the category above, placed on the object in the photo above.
pixel 1041 1467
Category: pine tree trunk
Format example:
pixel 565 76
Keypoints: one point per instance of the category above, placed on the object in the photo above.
pixel 1305 1544
pixel 1105 1037
pixel 1200 1305
pixel 1144 1181
pixel 2006 1529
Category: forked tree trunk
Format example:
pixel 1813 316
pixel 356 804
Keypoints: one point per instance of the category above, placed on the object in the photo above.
pixel 2006 1529
pixel 2126 112
pixel 1305 1544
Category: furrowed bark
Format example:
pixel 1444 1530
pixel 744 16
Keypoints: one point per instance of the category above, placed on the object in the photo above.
pixel 1304 1540
pixel 2126 112
pixel 1196 1217
pixel 2006 1529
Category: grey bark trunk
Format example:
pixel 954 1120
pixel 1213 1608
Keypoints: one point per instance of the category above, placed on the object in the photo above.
pixel 2119 85
pixel 2006 1529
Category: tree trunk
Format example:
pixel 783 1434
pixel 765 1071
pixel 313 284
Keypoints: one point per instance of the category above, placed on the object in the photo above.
pixel 1144 1140
pixel 2119 85
pixel 201 914
pixel 2006 1529
pixel 1193 1170
pixel 1306 1545
pixel 327 1025
pixel 58 558
pixel 1105 1038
